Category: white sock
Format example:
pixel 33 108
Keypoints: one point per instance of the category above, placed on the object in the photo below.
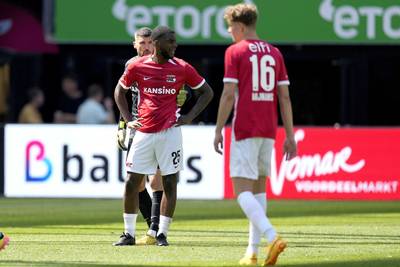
pixel 254 234
pixel 256 215
pixel 151 233
pixel 164 225
pixel 130 223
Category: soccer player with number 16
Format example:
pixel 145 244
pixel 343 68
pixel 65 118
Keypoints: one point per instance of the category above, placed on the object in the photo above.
pixel 255 80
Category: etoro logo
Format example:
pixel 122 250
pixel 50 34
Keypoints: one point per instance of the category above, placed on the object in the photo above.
pixel 38 167
pixel 349 21
pixel 188 21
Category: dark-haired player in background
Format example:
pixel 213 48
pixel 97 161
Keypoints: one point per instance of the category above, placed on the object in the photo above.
pixel 149 207
pixel 255 80
pixel 158 139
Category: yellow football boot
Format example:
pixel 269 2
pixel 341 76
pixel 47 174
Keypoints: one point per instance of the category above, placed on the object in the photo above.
pixel 146 240
pixel 273 250
pixel 248 260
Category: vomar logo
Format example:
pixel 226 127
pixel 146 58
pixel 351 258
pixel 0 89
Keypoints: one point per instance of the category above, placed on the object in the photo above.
pixel 188 20
pixel 311 165
pixel 350 22
pixel 38 166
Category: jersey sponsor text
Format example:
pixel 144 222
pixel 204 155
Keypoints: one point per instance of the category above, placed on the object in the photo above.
pixel 160 91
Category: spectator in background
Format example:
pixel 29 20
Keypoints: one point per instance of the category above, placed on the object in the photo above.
pixel 4 89
pixel 30 112
pixel 70 100
pixel 92 110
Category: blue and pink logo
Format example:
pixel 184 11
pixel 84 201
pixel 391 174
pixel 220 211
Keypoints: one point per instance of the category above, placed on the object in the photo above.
pixel 35 157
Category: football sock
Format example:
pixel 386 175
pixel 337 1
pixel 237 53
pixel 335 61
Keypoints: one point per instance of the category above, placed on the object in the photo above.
pixel 130 223
pixel 145 206
pixel 254 233
pixel 164 225
pixel 256 214
pixel 155 210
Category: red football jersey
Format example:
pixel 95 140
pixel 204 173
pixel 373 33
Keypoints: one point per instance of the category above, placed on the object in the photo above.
pixel 258 68
pixel 158 86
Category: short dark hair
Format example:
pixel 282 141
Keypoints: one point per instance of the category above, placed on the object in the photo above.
pixel 143 32
pixel 94 90
pixel 160 31
pixel 70 76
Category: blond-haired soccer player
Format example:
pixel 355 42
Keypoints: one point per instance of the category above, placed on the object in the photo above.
pixel 255 80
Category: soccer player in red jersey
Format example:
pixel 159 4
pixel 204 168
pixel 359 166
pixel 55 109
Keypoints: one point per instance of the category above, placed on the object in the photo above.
pixel 255 80
pixel 149 207
pixel 158 139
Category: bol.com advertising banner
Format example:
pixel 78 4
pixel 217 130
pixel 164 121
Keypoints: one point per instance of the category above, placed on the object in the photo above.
pixel 357 163
pixel 201 22
pixel 83 161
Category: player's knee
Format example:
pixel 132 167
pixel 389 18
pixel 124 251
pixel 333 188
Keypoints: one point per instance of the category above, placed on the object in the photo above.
pixel 131 183
pixel 156 185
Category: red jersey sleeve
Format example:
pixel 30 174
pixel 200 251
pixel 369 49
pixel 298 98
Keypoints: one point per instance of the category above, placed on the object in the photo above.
pixel 128 77
pixel 231 67
pixel 192 77
pixel 283 78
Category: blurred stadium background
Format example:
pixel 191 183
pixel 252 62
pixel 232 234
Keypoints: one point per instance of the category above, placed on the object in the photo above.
pixel 343 60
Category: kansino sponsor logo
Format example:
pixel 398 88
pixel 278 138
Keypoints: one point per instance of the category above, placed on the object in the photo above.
pixel 160 90
pixel 349 21
pixel 317 165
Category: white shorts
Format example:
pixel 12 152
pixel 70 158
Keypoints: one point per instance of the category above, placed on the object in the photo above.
pixel 152 150
pixel 251 157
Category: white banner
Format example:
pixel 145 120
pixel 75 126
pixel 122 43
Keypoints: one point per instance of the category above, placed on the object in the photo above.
pixel 83 161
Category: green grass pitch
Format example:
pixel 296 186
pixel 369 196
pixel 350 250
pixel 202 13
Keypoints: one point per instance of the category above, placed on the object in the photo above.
pixel 79 232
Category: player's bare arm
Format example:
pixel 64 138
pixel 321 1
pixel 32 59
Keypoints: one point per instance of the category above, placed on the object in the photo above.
pixel 224 110
pixel 206 94
pixel 120 99
pixel 289 147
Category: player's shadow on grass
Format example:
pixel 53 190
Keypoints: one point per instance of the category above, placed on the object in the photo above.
pixel 208 244
pixel 335 244
pixel 334 236
pixel 64 264
pixel 392 262
pixel 395 262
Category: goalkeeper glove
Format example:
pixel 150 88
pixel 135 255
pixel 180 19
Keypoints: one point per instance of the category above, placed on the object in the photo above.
pixel 181 97
pixel 121 135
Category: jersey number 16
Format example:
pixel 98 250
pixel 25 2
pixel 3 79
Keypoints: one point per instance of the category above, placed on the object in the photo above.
pixel 267 72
